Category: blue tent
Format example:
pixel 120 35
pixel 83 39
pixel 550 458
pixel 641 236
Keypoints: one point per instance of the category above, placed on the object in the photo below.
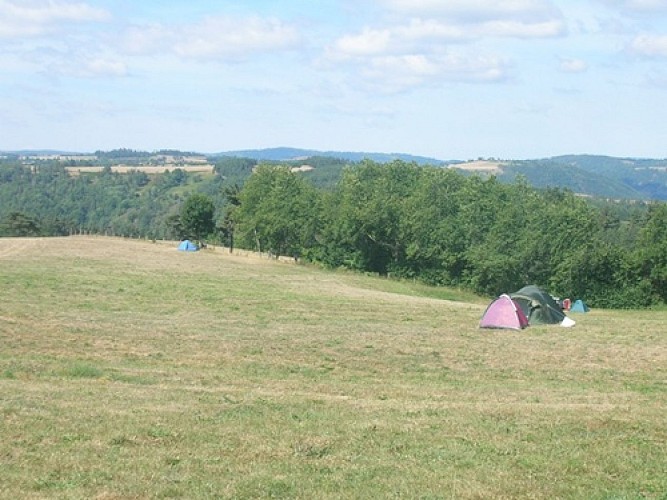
pixel 579 307
pixel 187 246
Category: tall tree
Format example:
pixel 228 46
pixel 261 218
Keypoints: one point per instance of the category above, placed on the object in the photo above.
pixel 369 207
pixel 196 216
pixel 232 195
pixel 278 212
pixel 652 253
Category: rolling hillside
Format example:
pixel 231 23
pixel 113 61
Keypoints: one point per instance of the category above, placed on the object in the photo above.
pixel 550 173
pixel 599 176
pixel 647 176
pixel 131 370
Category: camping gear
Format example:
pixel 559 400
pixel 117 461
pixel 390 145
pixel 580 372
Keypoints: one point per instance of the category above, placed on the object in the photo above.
pixel 579 306
pixel 539 307
pixel 567 322
pixel 503 312
pixel 187 246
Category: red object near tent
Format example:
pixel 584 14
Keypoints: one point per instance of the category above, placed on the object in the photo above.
pixel 503 312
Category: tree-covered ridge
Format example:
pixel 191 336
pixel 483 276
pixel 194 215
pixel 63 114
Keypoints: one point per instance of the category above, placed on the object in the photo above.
pixel 648 176
pixel 425 223
pixel 132 204
pixel 593 175
pixel 590 175
pixel 550 173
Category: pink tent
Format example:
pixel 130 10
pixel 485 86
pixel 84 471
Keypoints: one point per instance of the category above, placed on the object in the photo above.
pixel 503 312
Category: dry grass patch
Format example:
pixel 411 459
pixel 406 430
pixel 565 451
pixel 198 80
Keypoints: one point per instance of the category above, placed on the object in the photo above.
pixel 153 169
pixel 483 166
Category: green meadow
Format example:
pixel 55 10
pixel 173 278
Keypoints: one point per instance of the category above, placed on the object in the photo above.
pixel 131 370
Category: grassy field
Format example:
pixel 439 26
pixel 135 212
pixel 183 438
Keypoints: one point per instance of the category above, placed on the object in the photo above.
pixel 131 370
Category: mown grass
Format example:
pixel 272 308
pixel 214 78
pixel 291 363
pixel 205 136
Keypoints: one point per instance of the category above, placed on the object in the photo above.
pixel 131 370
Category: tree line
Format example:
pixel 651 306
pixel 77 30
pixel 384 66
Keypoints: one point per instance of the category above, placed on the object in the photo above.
pixel 398 219
pixel 443 228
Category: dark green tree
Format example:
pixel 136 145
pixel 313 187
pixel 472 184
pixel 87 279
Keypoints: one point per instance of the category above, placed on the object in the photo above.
pixel 604 275
pixel 430 224
pixel 196 217
pixel 232 195
pixel 278 212
pixel 19 224
pixel 652 250
pixel 235 170
pixel 364 229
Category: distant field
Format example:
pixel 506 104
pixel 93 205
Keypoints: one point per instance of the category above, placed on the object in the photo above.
pixel 124 169
pixel 481 166
pixel 131 370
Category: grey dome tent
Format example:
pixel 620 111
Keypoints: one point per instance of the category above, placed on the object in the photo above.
pixel 539 307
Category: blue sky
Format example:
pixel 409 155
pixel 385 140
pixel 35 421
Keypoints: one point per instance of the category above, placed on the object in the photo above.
pixel 450 79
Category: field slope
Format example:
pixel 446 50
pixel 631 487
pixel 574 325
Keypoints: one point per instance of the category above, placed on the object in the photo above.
pixel 131 370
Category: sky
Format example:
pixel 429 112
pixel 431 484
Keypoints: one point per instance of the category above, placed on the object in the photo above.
pixel 447 79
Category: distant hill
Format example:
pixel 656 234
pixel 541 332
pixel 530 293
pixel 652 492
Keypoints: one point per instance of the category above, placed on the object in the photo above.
pixel 592 175
pixel 600 176
pixel 550 173
pixel 42 152
pixel 647 176
pixel 289 154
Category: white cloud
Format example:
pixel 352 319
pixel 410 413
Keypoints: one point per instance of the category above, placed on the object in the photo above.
pixel 76 62
pixel 367 43
pixel 422 29
pixel 221 36
pixel 516 29
pixel 82 53
pixel 639 6
pixel 101 66
pixel 88 67
pixel 568 65
pixel 215 37
pixel 416 36
pixel 145 39
pixel 415 47
pixel 647 4
pixel 425 35
pixel 447 31
pixel 477 11
pixel 28 18
pixel 390 73
pixel 649 45
pixel 482 18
